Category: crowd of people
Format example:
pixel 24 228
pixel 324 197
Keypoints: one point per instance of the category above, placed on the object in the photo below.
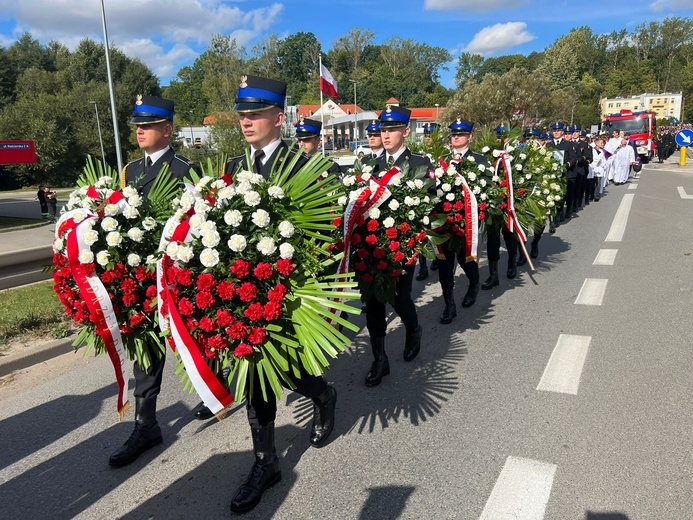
pixel 590 164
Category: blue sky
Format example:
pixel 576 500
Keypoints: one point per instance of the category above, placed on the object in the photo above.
pixel 168 34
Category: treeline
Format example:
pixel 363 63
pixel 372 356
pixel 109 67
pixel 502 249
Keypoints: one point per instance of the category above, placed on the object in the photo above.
pixel 46 91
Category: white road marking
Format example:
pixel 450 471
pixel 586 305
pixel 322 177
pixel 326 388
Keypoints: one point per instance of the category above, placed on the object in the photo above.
pixel 683 194
pixel 521 491
pixel 632 186
pixel 563 371
pixel 592 292
pixel 605 257
pixel 618 226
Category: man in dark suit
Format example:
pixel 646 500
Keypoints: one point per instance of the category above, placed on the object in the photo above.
pixel 375 142
pixel 308 136
pixel 583 153
pixel 260 107
pixel 153 117
pixel 394 129
pixel 460 136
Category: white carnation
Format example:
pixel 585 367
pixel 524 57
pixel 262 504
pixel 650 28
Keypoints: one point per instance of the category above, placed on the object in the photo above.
pixel 551 204
pixel 113 239
pixel 528 176
pixel 471 176
pixel 151 259
pixel 518 167
pixel 408 201
pixel 90 237
pixel 202 207
pixel 210 239
pixel 130 212
pixel 476 190
pixel 149 223
pixel 446 187
pixel 135 200
pixel 102 258
pixel 286 251
pixel 226 193
pixel 546 192
pixel 129 191
pixel 267 246
pixel 252 198
pixel 172 249
pixel 482 168
pixel 207 227
pixel 450 197
pixel 496 153
pixel 187 200
pixel 233 218
pixel 237 243
pixel 411 215
pixel 57 245
pixel 261 218
pixel 365 176
pixel 185 253
pixel 495 178
pixel 389 222
pixel 109 224
pixel 286 229
pixel 483 196
pixel 523 156
pixel 411 185
pixel 439 172
pixel 342 200
pixel 426 220
pixel 209 257
pixel 275 192
pixel 110 210
pixel 482 183
pixel 374 213
pixel 86 256
pixel 471 158
pixel 134 260
pixel 485 149
pixel 349 180
pixel 393 205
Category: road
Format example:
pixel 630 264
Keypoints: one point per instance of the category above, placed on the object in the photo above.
pixel 560 395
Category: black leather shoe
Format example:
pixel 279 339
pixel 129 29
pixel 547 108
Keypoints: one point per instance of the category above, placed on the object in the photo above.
pixel 492 281
pixel 264 473
pixel 423 273
pixel 470 296
pixel 412 344
pixel 202 413
pixel 512 269
pixel 145 436
pixel 450 311
pixel 552 226
pixel 380 366
pixel 141 440
pixel 323 417
pixel 534 251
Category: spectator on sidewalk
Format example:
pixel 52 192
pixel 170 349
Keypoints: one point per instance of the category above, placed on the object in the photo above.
pixel 43 201
pixel 52 200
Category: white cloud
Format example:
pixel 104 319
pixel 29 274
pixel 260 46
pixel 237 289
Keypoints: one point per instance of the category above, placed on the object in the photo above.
pixel 499 37
pixel 161 34
pixel 675 5
pixel 472 5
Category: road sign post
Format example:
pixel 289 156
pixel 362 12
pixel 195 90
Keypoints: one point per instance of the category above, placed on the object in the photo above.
pixel 684 139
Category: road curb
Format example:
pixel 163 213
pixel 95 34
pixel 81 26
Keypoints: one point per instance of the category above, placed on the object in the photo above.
pixel 31 356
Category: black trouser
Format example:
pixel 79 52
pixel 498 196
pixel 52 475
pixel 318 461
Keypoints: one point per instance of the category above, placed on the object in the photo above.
pixel 148 384
pixel 493 243
pixel 579 190
pixel 376 316
pixel 446 269
pixel 261 412
pixel 570 194
pixel 589 192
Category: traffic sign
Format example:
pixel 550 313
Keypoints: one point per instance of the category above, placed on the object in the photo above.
pixel 684 137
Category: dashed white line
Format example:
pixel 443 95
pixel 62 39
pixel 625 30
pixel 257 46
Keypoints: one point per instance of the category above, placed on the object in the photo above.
pixel 683 194
pixel 618 226
pixel 563 371
pixel 592 292
pixel 605 257
pixel 632 186
pixel 521 491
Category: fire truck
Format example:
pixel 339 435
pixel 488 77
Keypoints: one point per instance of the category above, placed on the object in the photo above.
pixel 640 125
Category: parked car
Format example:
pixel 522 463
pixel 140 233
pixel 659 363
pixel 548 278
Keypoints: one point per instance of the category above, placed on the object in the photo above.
pixel 354 146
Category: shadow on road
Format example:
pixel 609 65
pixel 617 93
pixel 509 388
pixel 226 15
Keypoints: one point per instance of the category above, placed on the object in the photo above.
pixel 384 503
pixel 605 516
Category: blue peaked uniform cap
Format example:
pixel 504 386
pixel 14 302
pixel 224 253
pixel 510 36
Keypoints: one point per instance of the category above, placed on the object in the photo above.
pixel 577 128
pixel 308 128
pixel 152 109
pixel 373 128
pixel 394 116
pixel 256 94
pixel 558 125
pixel 461 126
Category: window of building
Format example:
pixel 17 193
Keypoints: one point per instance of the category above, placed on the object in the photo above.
pixel 626 104
pixel 611 105
pixel 673 100
pixel 651 101
pixel 618 105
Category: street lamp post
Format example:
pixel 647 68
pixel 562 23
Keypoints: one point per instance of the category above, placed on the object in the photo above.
pixel 355 120
pixel 192 136
pixel 288 117
pixel 98 127
pixel 437 105
pixel 119 156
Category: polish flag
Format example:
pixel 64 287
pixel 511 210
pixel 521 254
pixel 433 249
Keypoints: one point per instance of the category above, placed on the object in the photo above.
pixel 327 83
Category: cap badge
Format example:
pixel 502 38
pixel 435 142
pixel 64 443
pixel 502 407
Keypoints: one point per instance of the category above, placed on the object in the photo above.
pixel 243 81
pixel 139 99
pixel 388 108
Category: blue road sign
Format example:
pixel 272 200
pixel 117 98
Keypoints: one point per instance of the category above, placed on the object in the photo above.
pixel 684 137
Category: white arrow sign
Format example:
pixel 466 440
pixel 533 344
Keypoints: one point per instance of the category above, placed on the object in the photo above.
pixel 686 138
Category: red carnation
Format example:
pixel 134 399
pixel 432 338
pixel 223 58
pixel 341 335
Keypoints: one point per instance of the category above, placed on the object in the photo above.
pixel 411 243
pixel 372 225
pixel 421 236
pixel 151 291
pixel 447 207
pixel 124 329
pixel 355 239
pixel 205 282
pixel 204 299
pixel 455 228
pixel 503 205
pixel 277 293
pixel 404 227
pixel 396 273
pixel 263 271
pixel 130 299
pixel 458 217
pixel 337 222
pixel 217 342
pixel 240 268
pixel 520 192
pixel 257 336
pixel 224 318
pixel 128 285
pixel 382 265
pixel 457 206
pixel 207 324
pixel 482 215
pixel 191 323
pixel 362 252
pixel 243 350
pixel 184 277
pixel 254 311
pixel 360 266
pixel 247 292
pixel 371 240
pixel 483 206
pixel 449 219
pixel 378 252
pixel 399 256
pixel 211 353
pixel 226 290
pixel 391 233
pixel 141 273
pixel 120 270
pixel 272 311
pixel 108 277
pixel 149 305
pixel 89 269
pixel 237 331
pixel 137 319
pixel 366 277
pixel 285 267
pixel 394 245
pixel 185 307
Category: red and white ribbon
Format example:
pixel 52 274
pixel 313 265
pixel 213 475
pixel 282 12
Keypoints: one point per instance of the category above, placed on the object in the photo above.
pixel 512 222
pixel 94 294
pixel 471 216
pixel 213 394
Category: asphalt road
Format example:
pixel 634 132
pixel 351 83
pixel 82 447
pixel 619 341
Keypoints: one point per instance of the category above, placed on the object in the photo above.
pixel 463 432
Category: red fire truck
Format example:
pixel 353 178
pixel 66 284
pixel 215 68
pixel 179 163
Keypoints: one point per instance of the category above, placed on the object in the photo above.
pixel 640 125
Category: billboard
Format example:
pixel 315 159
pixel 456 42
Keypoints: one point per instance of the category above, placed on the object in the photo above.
pixel 17 152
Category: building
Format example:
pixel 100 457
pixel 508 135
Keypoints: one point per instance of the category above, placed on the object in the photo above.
pixel 666 105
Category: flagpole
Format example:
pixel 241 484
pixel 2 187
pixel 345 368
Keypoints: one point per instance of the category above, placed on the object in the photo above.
pixel 322 115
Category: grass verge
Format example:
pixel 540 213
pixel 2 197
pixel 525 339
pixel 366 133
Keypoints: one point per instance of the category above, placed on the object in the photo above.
pixel 18 222
pixel 33 309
